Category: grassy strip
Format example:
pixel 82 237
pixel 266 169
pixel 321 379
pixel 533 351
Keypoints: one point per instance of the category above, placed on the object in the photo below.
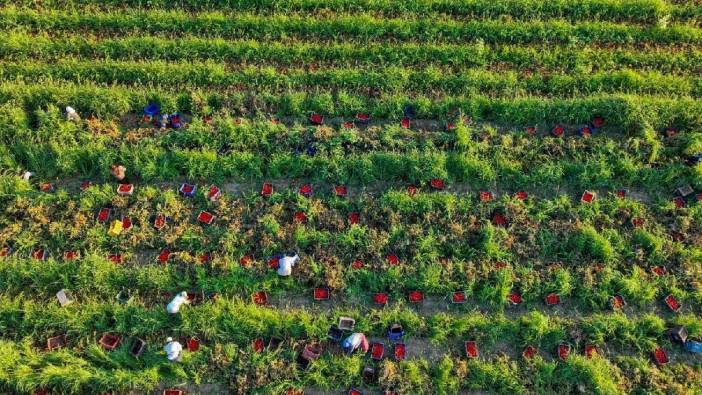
pixel 628 112
pixel 227 328
pixel 95 278
pixel 643 11
pixel 396 80
pixel 23 46
pixel 540 233
pixel 251 26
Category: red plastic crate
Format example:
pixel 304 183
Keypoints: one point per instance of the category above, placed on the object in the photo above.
pixel 164 255
pixel 273 262
pixel 415 296
pixel 531 130
pixel 159 221
pixel 321 293
pixel 300 217
pixel 56 342
pixel 412 190
pixel 672 303
pixel 529 352
pixel 514 298
pixel 553 299
pixel 357 264
pixel 377 351
pixel 380 298
pixel 558 131
pixel 637 222
pixel 340 190
pixel 125 189
pixel 70 255
pixel 354 391
pixel 362 117
pixel 126 223
pixel 471 349
pixel 348 125
pixel 258 345
pixel 597 122
pixel 46 187
pixel 5 251
pixel 563 351
pixel 266 189
pixel 660 356
pixel 590 350
pixel 679 202
pixel 622 193
pixel 109 341
pixel 405 123
pixel 245 261
pixel 400 351
pixel 587 197
pixel 103 215
pixel 658 270
pixel 354 218
pixel 316 119
pixel 39 254
pixel 499 220
pixel 260 298
pixel 306 190
pixel 485 196
pixel 521 195
pixel 214 193
pixel 85 185
pixel 115 258
pixel 437 183
pixel 617 302
pixel 204 258
pixel 173 392
pixel 193 344
pixel 392 260
pixel 205 217
pixel 449 126
pixel 585 131
pixel 459 297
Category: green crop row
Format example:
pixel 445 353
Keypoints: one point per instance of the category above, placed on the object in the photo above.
pixel 540 232
pixel 22 46
pixel 643 11
pixel 627 112
pixel 431 80
pixel 365 26
pixel 227 327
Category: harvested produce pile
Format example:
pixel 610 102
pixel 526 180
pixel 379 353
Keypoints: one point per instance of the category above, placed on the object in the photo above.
pixel 503 196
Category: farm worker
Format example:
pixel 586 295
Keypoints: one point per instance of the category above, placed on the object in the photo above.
pixel 72 115
pixel 173 350
pixel 286 264
pixel 27 175
pixel 164 121
pixel 119 172
pixel 355 341
pixel 180 299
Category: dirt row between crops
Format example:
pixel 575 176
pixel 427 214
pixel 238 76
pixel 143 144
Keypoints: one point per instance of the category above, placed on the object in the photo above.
pixel 238 189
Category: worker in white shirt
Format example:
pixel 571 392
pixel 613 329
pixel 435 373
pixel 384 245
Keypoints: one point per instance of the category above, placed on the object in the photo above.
pixel 173 349
pixel 174 306
pixel 286 264
pixel 354 342
pixel 72 115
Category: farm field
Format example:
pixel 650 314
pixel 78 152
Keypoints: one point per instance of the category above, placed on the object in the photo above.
pixel 516 183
